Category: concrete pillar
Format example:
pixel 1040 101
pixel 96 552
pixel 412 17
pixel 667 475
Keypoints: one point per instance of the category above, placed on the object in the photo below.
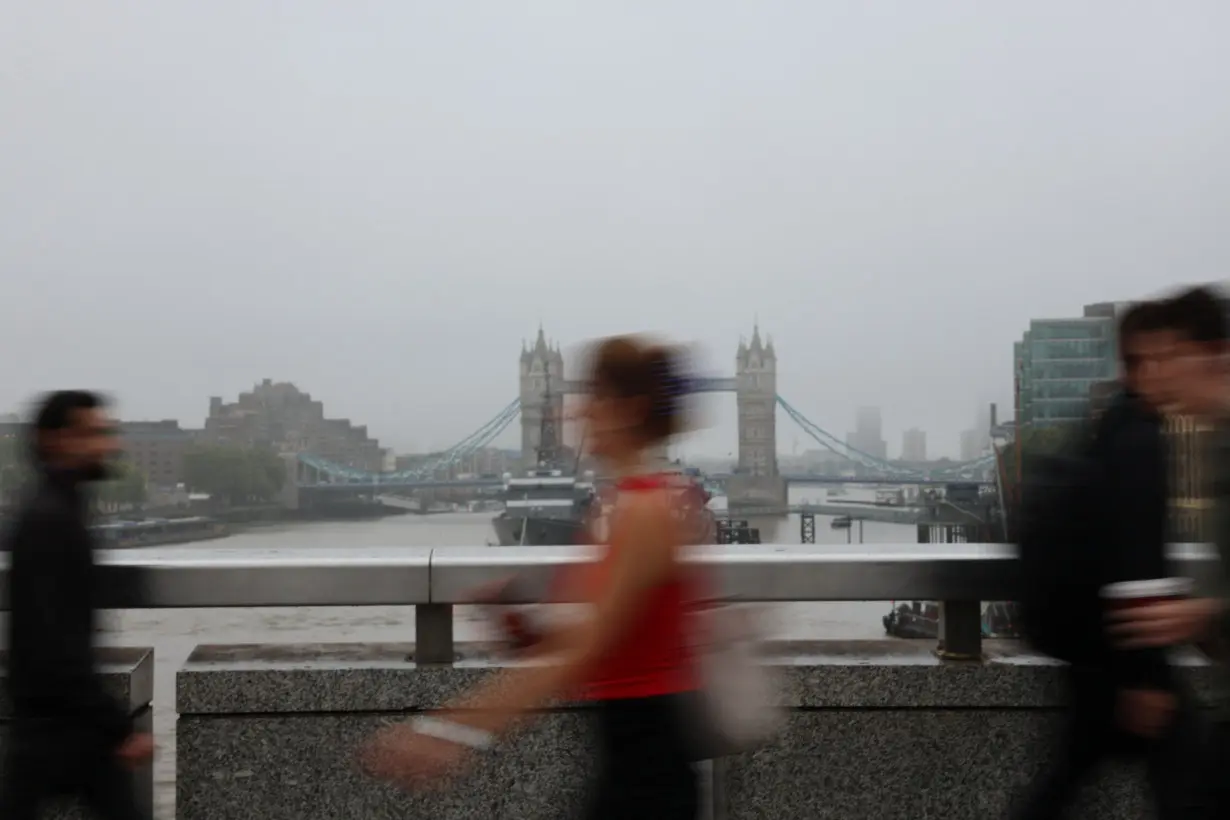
pixel 766 492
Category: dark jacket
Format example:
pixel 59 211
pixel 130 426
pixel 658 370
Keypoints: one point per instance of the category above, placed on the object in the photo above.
pixel 52 589
pixel 1137 496
pixel 1217 459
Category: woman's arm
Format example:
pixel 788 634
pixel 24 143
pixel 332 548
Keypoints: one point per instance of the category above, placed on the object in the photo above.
pixel 643 554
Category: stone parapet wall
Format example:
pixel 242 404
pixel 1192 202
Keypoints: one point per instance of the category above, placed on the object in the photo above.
pixel 879 729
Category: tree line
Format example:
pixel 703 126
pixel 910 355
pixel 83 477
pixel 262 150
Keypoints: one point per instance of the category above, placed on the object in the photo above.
pixel 126 486
pixel 233 475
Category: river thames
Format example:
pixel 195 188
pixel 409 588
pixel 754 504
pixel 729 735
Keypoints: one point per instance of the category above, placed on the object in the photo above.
pixel 174 633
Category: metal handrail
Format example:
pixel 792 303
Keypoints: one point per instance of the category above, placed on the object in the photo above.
pixel 165 578
pixel 433 580
pixel 222 577
pixel 767 572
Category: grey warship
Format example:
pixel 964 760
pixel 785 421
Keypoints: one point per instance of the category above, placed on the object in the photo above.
pixel 548 505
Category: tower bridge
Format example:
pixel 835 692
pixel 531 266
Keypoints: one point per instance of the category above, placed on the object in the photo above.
pixel 754 384
pixel 756 481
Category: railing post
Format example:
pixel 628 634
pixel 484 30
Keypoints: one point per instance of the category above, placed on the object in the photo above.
pixel 807 528
pixel 713 790
pixel 433 633
pixel 960 637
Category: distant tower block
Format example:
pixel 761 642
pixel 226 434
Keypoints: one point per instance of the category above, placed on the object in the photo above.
pixel 539 362
pixel 756 481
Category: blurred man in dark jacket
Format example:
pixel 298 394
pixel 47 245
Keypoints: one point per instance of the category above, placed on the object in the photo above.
pixel 1199 387
pixel 68 737
pixel 1124 701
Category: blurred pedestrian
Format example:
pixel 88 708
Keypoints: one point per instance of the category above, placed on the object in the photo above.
pixel 1200 387
pixel 631 656
pixel 1107 527
pixel 68 736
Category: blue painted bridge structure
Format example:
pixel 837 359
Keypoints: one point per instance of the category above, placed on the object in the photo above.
pixel 380 482
pixel 321 474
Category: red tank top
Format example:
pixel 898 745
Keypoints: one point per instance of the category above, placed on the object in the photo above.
pixel 653 657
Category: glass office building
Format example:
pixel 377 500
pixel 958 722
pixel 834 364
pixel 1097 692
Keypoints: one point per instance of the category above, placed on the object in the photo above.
pixel 1062 363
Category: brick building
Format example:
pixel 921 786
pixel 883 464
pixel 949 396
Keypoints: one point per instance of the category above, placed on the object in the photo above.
pixel 283 418
pixel 156 448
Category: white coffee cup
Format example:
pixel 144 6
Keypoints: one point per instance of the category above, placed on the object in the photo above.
pixel 1133 594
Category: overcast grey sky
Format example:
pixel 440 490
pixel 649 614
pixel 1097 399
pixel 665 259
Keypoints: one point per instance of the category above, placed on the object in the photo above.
pixel 379 200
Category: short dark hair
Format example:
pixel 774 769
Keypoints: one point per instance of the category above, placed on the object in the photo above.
pixel 1137 320
pixel 1198 315
pixel 1142 317
pixel 57 411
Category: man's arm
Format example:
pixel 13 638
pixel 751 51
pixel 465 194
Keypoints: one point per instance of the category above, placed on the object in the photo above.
pixel 1136 550
pixel 1201 621
pixel 50 581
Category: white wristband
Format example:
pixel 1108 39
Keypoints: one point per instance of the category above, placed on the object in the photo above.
pixel 452 732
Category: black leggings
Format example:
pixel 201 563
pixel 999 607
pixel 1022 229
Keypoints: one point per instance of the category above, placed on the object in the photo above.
pixel 1092 736
pixel 1212 798
pixel 645 771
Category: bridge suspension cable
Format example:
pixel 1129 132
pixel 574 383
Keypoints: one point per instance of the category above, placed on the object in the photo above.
pixel 477 440
pixel 483 436
pixel 885 468
pixel 835 445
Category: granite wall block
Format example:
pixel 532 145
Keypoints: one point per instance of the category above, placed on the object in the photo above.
pixel 302 767
pixel 876 729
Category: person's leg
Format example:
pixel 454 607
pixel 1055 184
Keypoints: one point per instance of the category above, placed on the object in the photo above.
pixel 645 769
pixel 25 776
pixel 109 792
pixel 1218 769
pixel 675 780
pixel 1210 794
pixel 1079 752
pixel 20 796
pixel 1176 762
pixel 1083 744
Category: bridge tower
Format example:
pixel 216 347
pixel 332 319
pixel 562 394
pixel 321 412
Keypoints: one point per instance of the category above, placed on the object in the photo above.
pixel 756 481
pixel 542 366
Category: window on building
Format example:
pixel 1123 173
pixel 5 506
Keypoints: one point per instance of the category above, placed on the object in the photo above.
pixel 1073 369
pixel 1046 350
pixel 1063 389
pixel 1070 329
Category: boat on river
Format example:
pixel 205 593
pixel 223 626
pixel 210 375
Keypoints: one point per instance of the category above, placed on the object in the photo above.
pixel 155 532
pixel 921 619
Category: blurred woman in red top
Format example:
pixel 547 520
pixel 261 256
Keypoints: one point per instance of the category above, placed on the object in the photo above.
pixel 631 655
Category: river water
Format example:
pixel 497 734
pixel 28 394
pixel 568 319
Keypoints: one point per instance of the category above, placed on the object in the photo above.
pixel 174 633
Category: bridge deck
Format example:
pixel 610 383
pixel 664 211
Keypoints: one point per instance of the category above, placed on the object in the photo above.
pixel 714 384
pixel 428 484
